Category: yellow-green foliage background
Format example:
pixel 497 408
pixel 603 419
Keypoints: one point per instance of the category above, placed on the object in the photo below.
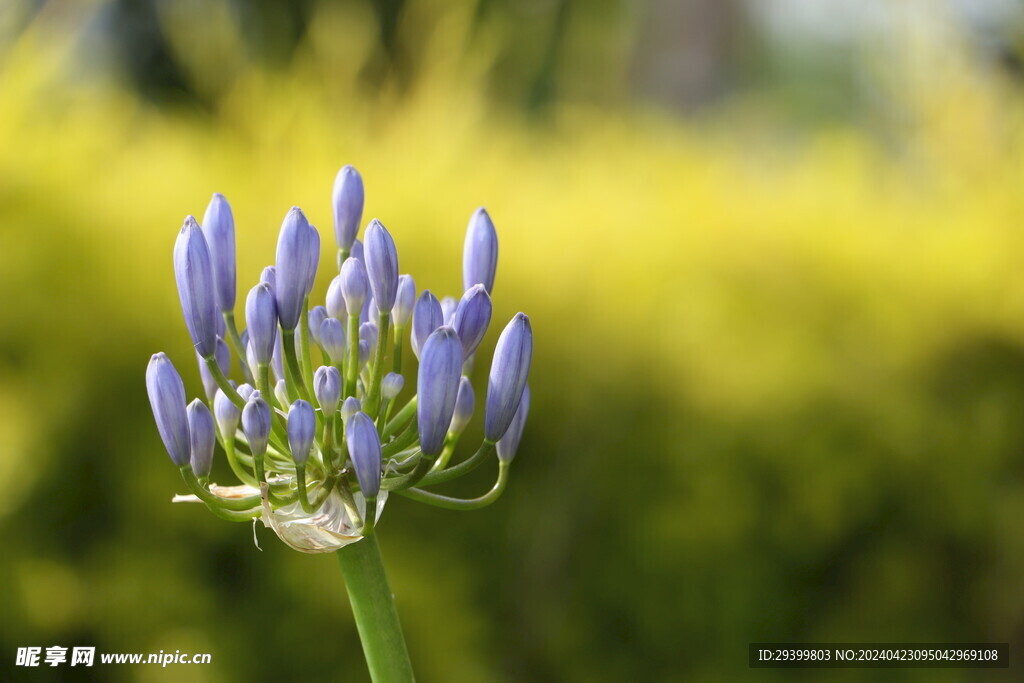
pixel 778 381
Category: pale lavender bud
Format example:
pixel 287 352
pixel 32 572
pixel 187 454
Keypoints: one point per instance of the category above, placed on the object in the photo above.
pixel 314 257
pixel 369 333
pixel 358 252
pixel 381 265
pixel 369 312
pixel 391 385
pixel 261 322
pixel 202 437
pixel 448 307
pixel 193 272
pixel 332 339
pixel 364 354
pixel 222 354
pixel 509 444
pixel 336 300
pixel 281 392
pixel 167 398
pixel 437 387
pixel 404 300
pixel 292 267
pixel 269 276
pixel 348 200
pixel 354 285
pixel 245 391
pixel 364 449
pixel 427 317
pixel 301 430
pixel 277 360
pixel 256 423
pixel 349 407
pixel 327 388
pixel 227 414
pixel 463 407
pixel 219 231
pixel 471 318
pixel 509 369
pixel 317 315
pixel 251 360
pixel 480 253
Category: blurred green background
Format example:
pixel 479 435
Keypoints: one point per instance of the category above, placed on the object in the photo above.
pixel 771 252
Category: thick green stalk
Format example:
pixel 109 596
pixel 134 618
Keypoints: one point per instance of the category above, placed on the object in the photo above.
pixel 373 607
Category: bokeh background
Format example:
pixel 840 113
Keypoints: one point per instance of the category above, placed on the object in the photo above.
pixel 772 255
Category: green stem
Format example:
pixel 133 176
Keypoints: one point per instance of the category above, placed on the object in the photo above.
pixel 373 607
pixel 235 342
pixel 372 402
pixel 352 365
pixel 403 415
pixel 292 364
pixel 464 467
pixel 461 503
pixel 396 365
pixel 305 360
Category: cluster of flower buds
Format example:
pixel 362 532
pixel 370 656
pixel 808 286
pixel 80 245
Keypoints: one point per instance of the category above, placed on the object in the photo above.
pixel 318 447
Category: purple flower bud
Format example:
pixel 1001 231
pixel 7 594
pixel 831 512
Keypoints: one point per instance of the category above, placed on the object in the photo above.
pixel 269 276
pixel 448 307
pixel 317 315
pixel 509 444
pixel 358 252
pixel 256 423
pixel 327 388
pixel 227 414
pixel 301 429
pixel 427 317
pixel 223 356
pixel 366 315
pixel 292 268
pixel 509 370
pixel 348 206
pixel 364 449
pixel 381 265
pixel 480 254
pixel 437 387
pixel 471 318
pixel 314 257
pixel 336 300
pixel 404 300
pixel 202 437
pixel 250 358
pixel 332 339
pixel 364 354
pixel 281 392
pixel 261 319
pixel 222 327
pixel 349 407
pixel 245 391
pixel 219 231
pixel 463 407
pixel 167 398
pixel 369 333
pixel 353 284
pixel 193 272
pixel 391 385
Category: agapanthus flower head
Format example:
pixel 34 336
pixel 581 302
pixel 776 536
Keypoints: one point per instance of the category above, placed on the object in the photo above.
pixel 480 254
pixel 193 273
pixel 471 318
pixel 301 430
pixel 327 388
pixel 404 300
pixel 336 300
pixel 167 398
pixel 256 423
pixel 381 265
pixel 509 443
pixel 365 451
pixel 284 438
pixel 261 319
pixel 509 369
pixel 294 246
pixel 437 387
pixel 202 437
pixel 348 200
pixel 354 285
pixel 219 231
pixel 427 317
pixel 332 339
